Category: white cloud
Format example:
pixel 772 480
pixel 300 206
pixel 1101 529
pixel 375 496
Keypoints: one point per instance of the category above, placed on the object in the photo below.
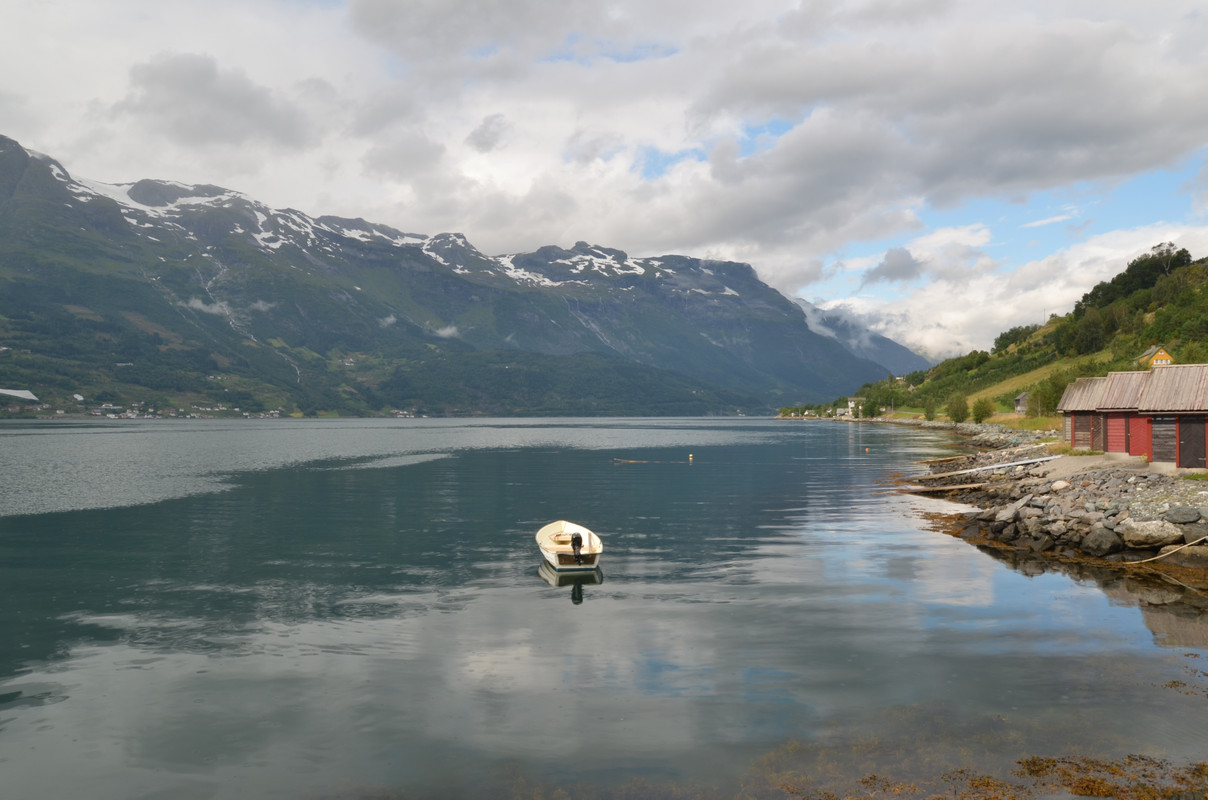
pixel 965 311
pixel 1040 223
pixel 220 308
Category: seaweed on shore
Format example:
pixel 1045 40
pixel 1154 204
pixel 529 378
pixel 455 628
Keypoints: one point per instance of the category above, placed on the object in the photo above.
pixel 1130 777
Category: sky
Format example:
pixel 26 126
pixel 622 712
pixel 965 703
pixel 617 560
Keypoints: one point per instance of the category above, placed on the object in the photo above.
pixel 943 170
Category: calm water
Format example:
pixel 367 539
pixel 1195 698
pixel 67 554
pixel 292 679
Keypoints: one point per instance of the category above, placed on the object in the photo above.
pixel 308 609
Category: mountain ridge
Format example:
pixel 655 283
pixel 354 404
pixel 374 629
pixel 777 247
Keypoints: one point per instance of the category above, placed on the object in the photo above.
pixel 282 301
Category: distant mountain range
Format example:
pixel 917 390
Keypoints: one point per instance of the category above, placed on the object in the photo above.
pixel 172 294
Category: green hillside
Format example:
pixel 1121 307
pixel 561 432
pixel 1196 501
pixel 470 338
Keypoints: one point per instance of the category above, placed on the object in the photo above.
pixel 1159 299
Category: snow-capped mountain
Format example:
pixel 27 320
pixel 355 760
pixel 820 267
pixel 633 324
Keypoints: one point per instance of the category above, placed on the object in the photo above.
pixel 184 286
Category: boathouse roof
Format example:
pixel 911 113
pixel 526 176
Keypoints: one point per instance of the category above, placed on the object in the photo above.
pixel 1082 395
pixel 1175 387
pixel 1122 390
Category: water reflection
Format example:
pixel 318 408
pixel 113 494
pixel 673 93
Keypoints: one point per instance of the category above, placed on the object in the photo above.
pixel 576 580
pixel 1175 613
pixel 314 625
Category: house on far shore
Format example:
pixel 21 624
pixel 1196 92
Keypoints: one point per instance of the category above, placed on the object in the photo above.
pixel 1155 356
pixel 1021 403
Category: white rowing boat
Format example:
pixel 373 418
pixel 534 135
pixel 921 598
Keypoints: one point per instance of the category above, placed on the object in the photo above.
pixel 568 546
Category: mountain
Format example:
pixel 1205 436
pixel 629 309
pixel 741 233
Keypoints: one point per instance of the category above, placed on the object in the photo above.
pixel 861 341
pixel 172 294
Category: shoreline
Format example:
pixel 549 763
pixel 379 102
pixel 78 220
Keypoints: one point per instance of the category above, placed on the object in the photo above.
pixel 1084 513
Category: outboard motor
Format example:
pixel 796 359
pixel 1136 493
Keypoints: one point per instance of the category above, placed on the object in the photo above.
pixel 576 544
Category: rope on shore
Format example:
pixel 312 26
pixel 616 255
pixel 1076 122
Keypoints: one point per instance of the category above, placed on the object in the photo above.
pixel 1177 549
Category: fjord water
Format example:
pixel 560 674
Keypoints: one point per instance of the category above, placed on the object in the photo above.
pixel 306 609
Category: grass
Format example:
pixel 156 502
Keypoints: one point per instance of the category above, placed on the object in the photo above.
pixel 1018 383
pixel 1020 422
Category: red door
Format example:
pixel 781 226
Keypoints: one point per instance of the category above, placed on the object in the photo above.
pixel 1140 439
pixel 1117 433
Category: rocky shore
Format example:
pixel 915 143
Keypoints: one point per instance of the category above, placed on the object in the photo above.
pixel 1105 509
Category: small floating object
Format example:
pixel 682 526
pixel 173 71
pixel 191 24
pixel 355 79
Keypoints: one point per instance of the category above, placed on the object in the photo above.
pixel 569 547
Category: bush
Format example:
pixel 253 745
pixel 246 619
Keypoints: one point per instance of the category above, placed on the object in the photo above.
pixel 929 409
pixel 983 409
pixel 957 408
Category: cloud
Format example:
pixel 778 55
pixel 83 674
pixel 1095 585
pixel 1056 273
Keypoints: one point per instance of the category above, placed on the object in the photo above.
pixel 189 99
pixel 405 156
pixel 488 135
pixel 1040 223
pixel 897 266
pixel 220 308
pixel 961 312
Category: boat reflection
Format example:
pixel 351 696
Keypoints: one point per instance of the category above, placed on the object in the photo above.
pixel 575 580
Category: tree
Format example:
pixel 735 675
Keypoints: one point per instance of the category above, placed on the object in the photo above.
pixel 929 409
pixel 1013 336
pixel 1044 396
pixel 983 409
pixel 1090 335
pixel 957 408
pixel 1142 272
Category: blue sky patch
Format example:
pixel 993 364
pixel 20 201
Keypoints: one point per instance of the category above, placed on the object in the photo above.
pixel 654 163
pixel 758 138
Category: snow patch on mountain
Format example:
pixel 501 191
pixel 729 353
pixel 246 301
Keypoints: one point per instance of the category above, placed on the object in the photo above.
pixel 523 275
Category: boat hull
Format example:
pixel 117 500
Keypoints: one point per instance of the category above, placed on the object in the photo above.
pixel 554 541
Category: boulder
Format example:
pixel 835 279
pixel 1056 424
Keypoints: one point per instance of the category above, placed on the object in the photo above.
pixel 1101 542
pixel 1059 485
pixel 1194 532
pixel 1010 513
pixel 1150 533
pixel 1181 515
pixel 1043 545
